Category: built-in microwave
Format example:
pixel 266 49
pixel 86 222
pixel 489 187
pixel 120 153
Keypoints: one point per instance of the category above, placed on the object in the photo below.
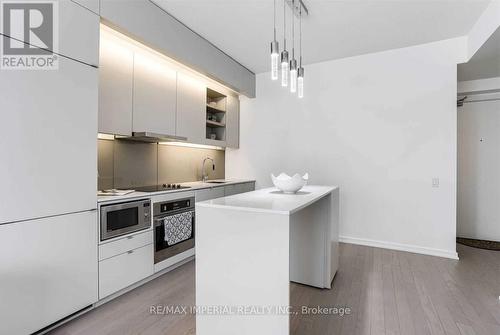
pixel 125 217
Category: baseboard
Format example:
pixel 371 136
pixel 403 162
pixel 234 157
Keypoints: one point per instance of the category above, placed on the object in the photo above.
pixel 400 247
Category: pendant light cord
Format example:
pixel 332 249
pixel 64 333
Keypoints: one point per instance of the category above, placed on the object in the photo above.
pixel 300 35
pixel 293 30
pixel 284 25
pixel 274 22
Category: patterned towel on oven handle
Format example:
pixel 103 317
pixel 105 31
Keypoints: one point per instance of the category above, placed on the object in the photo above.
pixel 178 227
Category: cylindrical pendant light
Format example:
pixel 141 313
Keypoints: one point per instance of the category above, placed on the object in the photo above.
pixel 275 53
pixel 293 61
pixel 300 82
pixel 300 72
pixel 284 53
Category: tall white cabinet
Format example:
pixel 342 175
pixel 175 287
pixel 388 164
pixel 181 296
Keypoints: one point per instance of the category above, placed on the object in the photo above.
pixel 49 141
pixel 48 221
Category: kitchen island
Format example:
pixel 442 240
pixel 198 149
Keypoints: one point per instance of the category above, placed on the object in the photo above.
pixel 251 245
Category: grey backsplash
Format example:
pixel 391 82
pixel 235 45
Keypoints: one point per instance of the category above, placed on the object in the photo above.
pixel 124 164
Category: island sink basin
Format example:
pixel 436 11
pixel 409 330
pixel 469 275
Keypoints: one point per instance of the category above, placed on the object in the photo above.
pixel 216 182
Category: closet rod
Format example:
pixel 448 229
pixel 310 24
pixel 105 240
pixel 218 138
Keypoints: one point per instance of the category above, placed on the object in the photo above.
pixel 471 101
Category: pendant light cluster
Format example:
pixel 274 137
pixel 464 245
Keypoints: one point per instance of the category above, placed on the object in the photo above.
pixel 290 72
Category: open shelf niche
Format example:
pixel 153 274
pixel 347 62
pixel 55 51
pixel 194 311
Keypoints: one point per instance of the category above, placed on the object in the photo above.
pixel 216 115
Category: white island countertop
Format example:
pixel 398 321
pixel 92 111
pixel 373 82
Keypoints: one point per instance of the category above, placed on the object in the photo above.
pixel 271 200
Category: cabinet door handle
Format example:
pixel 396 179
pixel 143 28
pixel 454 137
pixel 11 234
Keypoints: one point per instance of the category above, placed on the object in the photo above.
pixel 130 251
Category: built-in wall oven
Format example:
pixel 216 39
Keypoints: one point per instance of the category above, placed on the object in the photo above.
pixel 174 224
pixel 124 217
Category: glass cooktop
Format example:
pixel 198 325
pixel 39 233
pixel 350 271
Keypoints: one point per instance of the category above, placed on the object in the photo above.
pixel 162 187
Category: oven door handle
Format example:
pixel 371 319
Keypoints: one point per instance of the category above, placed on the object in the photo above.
pixel 158 221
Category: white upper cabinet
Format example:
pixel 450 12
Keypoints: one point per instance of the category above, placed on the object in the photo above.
pixel 191 102
pixel 233 122
pixel 115 86
pixel 49 141
pixel 154 103
pixel 141 90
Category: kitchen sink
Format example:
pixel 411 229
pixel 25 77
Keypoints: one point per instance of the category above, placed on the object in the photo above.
pixel 216 182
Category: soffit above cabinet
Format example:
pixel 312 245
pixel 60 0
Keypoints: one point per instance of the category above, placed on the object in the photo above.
pixel 151 25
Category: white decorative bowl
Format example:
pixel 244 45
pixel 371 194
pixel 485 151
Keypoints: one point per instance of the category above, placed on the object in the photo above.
pixel 289 185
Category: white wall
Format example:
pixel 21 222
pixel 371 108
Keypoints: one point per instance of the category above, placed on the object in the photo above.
pixel 380 126
pixel 479 168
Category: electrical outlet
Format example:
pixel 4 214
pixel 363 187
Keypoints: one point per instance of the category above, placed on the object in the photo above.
pixel 435 182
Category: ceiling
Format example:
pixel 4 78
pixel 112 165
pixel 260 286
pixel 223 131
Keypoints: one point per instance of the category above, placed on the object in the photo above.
pixel 485 63
pixel 334 29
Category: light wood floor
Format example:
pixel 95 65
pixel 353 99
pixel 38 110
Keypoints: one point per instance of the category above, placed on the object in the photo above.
pixel 389 292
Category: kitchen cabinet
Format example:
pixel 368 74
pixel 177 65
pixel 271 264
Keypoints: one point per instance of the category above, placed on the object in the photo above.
pixel 48 270
pixel 233 122
pixel 78 33
pixel 92 5
pixel 209 193
pixel 191 104
pixel 215 130
pixel 77 36
pixel 142 91
pixel 246 187
pixel 238 188
pixel 124 244
pixel 48 144
pixel 123 270
pixel 221 191
pixel 116 67
pixel 155 95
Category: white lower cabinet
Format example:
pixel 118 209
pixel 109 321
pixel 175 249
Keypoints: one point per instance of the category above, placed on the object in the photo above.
pixel 245 187
pixel 122 245
pixel 48 270
pixel 238 188
pixel 123 270
pixel 221 191
pixel 209 193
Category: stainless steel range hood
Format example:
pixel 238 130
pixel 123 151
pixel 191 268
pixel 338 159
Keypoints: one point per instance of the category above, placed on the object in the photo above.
pixel 151 137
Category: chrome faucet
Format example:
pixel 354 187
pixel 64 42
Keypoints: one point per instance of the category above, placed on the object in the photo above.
pixel 204 176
